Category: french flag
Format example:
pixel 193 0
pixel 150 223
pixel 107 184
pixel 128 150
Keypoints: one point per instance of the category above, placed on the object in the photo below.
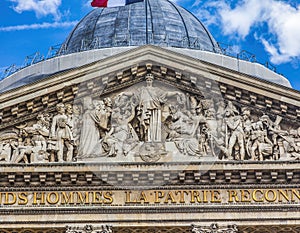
pixel 113 3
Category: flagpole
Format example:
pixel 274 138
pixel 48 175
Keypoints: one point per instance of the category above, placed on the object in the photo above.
pixel 146 13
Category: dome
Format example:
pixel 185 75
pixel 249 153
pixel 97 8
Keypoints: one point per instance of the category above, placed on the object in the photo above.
pixel 156 22
pixel 108 32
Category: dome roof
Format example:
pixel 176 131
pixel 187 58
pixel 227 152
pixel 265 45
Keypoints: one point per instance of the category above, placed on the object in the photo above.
pixel 157 22
pixel 107 32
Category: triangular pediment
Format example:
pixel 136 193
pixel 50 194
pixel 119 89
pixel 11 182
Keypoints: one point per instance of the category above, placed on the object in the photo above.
pixel 149 105
pixel 146 133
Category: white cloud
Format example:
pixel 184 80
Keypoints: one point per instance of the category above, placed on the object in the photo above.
pixel 241 19
pixel 40 7
pixel 276 56
pixel 38 26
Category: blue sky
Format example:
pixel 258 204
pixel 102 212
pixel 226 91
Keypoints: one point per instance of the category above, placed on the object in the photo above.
pixel 270 29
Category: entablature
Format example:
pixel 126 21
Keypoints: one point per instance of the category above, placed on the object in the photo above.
pixel 199 105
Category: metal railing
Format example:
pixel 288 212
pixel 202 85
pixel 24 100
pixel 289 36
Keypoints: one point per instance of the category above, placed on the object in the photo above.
pixel 194 43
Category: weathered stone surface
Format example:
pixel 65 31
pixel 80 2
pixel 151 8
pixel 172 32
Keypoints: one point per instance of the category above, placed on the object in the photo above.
pixel 149 142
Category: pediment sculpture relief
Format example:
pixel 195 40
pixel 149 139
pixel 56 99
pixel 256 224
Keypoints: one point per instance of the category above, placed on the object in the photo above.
pixel 150 123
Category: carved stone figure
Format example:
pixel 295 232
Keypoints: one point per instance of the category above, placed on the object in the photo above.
pixel 248 130
pixel 204 143
pixel 103 114
pixel 291 144
pixel 234 132
pixel 151 99
pixel 8 146
pixel 62 134
pixel 179 123
pixel 23 151
pixel 77 123
pixel 262 146
pixel 276 134
pixel 213 129
pixel 36 139
pixel 5 151
pixel 122 137
pixel 90 145
pixel 183 132
pixel 41 131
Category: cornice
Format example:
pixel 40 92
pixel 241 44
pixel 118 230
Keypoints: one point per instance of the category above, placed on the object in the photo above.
pixel 137 175
pixel 149 54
